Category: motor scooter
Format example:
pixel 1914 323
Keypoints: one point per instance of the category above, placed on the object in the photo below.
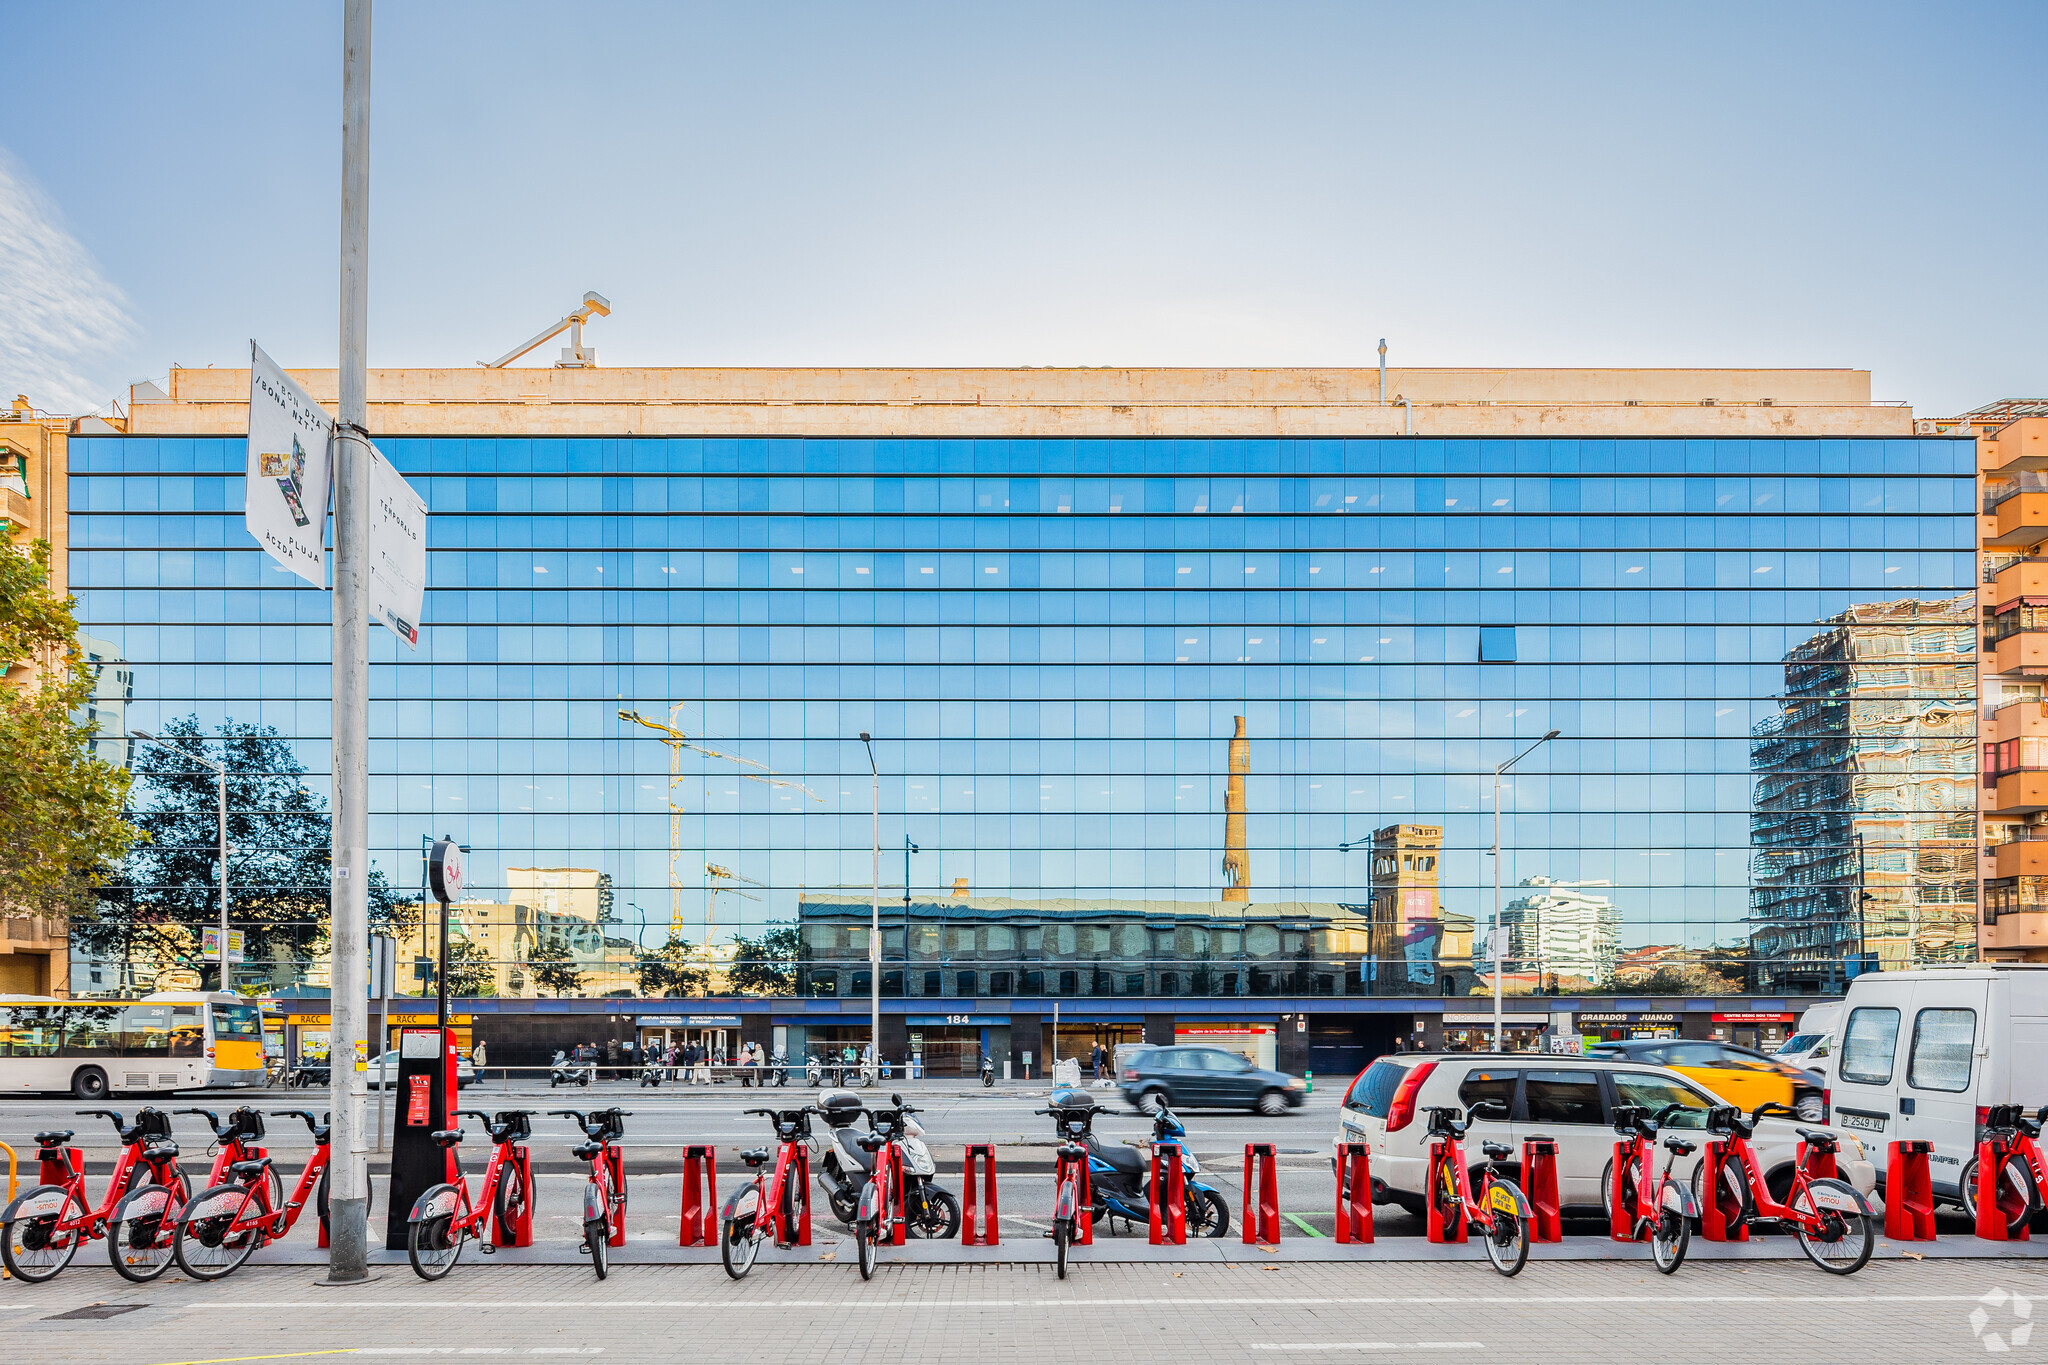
pixel 814 1071
pixel 651 1071
pixel 844 1166
pixel 988 1071
pixel 1121 1175
pixel 566 1072
pixel 778 1067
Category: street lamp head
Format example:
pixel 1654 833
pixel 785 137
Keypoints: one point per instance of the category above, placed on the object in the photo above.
pixel 142 734
pixel 1553 734
pixel 864 737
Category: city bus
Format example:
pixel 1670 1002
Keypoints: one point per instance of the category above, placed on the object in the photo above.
pixel 169 1040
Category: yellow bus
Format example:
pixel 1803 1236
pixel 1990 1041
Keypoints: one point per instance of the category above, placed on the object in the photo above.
pixel 170 1040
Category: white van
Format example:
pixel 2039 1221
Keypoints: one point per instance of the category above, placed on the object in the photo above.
pixel 1922 1055
pixel 1813 1038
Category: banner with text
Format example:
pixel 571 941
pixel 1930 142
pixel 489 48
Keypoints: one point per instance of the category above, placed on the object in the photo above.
pixel 284 503
pixel 398 550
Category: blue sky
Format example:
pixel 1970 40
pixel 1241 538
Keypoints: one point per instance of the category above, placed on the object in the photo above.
pixel 1770 185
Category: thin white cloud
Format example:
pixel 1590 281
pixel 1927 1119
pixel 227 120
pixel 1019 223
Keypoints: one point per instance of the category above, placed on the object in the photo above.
pixel 58 314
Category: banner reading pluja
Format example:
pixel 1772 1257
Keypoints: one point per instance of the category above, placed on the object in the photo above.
pixel 398 550
pixel 284 503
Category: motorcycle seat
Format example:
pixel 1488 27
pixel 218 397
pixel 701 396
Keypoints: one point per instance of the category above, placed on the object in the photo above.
pixel 1681 1146
pixel 446 1137
pixel 1129 1160
pixel 850 1149
pixel 56 1137
pixel 249 1170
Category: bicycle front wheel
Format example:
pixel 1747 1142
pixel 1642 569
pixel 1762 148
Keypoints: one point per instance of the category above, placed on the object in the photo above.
pixel 208 1244
pixel 597 1235
pixel 1062 1233
pixel 738 1242
pixel 867 1240
pixel 1833 1225
pixel 141 1233
pixel 35 1244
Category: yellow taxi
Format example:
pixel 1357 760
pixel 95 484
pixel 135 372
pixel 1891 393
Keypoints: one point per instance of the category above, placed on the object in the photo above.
pixel 1742 1076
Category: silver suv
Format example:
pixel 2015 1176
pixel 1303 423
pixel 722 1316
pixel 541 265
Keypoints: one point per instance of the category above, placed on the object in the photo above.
pixel 1569 1099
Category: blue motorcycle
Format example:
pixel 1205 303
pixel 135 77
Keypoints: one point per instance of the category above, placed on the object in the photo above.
pixel 1122 1175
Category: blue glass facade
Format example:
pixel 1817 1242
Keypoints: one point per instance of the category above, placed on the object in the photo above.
pixel 1051 642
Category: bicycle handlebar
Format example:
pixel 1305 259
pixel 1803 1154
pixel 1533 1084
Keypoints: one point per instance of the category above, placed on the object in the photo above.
pixel 305 1114
pixel 212 1119
pixel 120 1123
pixel 1773 1107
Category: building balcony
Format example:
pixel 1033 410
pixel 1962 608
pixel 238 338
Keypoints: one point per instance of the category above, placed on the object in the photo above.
pixel 2021 519
pixel 2024 652
pixel 2024 577
pixel 2024 855
pixel 14 514
pixel 2021 793
pixel 2023 719
pixel 2025 932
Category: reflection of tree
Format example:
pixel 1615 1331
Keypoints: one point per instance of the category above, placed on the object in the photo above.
pixel 155 904
pixel 553 968
pixel 470 969
pixel 668 970
pixel 765 965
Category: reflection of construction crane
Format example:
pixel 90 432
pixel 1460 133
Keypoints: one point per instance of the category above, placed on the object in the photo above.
pixel 719 876
pixel 677 741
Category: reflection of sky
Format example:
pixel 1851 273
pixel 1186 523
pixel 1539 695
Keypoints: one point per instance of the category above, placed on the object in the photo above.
pixel 1051 662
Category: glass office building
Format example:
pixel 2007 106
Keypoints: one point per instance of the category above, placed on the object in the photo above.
pixel 1053 642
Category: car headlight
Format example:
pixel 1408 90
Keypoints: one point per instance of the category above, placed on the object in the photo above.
pixel 1295 1084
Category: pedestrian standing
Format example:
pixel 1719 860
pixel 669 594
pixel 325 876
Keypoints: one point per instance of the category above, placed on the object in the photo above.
pixel 476 1058
pixel 703 1064
pixel 611 1058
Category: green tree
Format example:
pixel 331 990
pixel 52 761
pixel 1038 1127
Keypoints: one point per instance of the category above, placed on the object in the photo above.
pixel 157 902
pixel 765 965
pixel 554 969
pixel 61 804
pixel 669 971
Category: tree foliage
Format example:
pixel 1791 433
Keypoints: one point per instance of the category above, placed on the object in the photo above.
pixel 670 971
pixel 168 890
pixel 470 969
pixel 554 969
pixel 765 965
pixel 62 804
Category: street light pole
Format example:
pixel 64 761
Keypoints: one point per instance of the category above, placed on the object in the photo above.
pixel 1496 879
pixel 875 924
pixel 220 772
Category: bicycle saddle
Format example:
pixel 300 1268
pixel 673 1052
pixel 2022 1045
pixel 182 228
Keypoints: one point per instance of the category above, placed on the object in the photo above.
pixel 56 1137
pixel 160 1150
pixel 1499 1151
pixel 446 1137
pixel 249 1170
pixel 754 1156
pixel 588 1151
pixel 1819 1140
pixel 872 1142
pixel 1680 1146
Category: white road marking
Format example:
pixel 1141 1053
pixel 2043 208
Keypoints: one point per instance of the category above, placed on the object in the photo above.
pixel 1368 1346
pixel 1174 1301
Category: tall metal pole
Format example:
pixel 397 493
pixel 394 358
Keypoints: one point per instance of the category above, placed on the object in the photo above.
pixel 348 1223
pixel 221 776
pixel 875 931
pixel 1496 879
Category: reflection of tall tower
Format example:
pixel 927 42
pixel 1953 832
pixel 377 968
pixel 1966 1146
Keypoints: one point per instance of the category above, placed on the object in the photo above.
pixel 1237 862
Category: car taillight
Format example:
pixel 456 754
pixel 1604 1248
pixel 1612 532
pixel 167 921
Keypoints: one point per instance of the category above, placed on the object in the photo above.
pixel 1401 1112
pixel 1131 1075
pixel 1827 1104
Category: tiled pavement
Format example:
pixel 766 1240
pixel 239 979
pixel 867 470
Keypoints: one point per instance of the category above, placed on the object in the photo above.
pixel 1571 1313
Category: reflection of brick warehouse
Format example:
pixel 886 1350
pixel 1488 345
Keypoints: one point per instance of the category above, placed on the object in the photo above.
pixel 1417 947
pixel 1861 828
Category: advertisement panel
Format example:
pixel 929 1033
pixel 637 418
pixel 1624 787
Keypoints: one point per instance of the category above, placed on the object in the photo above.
pixel 284 499
pixel 398 550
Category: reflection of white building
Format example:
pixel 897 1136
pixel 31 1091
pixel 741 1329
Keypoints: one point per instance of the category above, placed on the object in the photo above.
pixel 112 689
pixel 1562 929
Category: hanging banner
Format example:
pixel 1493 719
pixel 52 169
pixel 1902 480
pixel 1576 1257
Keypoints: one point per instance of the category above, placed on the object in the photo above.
pixel 284 501
pixel 398 550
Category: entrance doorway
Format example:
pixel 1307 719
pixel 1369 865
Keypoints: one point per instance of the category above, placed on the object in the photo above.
pixel 1078 1041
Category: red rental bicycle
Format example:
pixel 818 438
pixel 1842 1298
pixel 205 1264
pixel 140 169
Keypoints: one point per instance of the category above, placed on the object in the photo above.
pixel 42 1228
pixel 1832 1222
pixel 1659 1208
pixel 1501 1217
pixel 2024 1175
pixel 229 1222
pixel 443 1218
pixel 769 1206
pixel 604 1204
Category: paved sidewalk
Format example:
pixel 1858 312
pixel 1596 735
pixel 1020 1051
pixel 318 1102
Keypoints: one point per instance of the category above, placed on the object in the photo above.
pixel 1893 1313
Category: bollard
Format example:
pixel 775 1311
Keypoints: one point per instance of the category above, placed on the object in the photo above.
pixel 1720 1207
pixel 700 1196
pixel 518 1166
pixel 1539 1182
pixel 1908 1193
pixel 898 1216
pixel 1996 1215
pixel 61 1164
pixel 1622 1219
pixel 1308 1079
pixel 1354 1193
pixel 615 1161
pixel 1444 1225
pixel 983 1231
pixel 1169 1196
pixel 1261 1194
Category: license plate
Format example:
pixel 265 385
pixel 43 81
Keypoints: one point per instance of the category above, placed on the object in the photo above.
pixel 1869 1123
pixel 1501 1201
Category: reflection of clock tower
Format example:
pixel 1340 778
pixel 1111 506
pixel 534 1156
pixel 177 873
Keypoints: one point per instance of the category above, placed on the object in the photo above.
pixel 1416 949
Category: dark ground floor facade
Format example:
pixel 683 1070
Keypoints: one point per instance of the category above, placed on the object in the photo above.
pixel 947 1038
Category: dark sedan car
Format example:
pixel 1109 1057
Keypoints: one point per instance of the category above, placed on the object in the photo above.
pixel 1207 1078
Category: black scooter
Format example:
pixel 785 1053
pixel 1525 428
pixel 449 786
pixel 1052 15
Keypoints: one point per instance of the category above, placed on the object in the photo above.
pixel 1121 1175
